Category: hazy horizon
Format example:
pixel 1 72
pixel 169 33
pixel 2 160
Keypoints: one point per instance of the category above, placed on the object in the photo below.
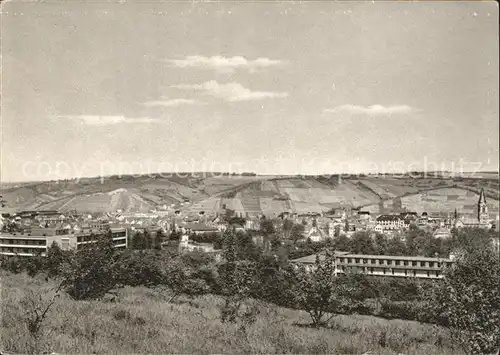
pixel 98 89
pixel 166 174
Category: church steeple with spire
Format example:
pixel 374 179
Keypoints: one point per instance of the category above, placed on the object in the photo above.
pixel 482 208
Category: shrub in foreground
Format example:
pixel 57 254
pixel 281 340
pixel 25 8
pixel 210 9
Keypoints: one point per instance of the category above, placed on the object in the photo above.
pixel 470 297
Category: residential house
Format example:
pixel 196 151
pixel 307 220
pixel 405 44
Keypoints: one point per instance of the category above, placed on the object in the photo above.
pixel 442 232
pixel 390 222
pixel 217 223
pixel 197 228
pixel 252 223
pixel 364 215
pixel 315 234
pixel 185 245
pixel 237 227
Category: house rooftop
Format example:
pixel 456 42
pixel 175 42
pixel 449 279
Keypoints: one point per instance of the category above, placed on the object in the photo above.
pixel 388 217
pixel 311 259
pixel 207 245
pixel 21 236
pixel 469 221
pixel 394 257
pixel 442 232
pixel 199 227
pixel 117 229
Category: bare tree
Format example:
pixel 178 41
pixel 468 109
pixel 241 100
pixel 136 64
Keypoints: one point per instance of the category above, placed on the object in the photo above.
pixel 36 310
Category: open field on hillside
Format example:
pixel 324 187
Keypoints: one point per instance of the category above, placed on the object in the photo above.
pixel 388 188
pixel 271 207
pixel 491 187
pixel 270 186
pixel 298 195
pixel 159 197
pixel 253 194
pixel 487 175
pixel 439 200
pixel 215 185
pixel 57 204
pixel 171 191
pixel 211 204
pixel 101 202
pixel 141 321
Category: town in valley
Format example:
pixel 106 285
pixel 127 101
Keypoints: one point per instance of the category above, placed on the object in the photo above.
pixel 199 226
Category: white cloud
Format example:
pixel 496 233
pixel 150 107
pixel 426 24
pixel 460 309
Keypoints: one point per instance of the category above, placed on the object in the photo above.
pixel 107 120
pixel 231 91
pixel 223 64
pixel 170 103
pixel 374 110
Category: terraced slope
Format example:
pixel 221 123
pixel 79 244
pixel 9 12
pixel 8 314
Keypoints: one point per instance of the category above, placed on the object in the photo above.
pixel 273 196
pixel 268 195
pixel 112 201
pixel 437 200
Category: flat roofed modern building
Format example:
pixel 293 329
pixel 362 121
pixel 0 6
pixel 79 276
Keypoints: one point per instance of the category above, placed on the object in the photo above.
pixel 383 265
pixel 40 239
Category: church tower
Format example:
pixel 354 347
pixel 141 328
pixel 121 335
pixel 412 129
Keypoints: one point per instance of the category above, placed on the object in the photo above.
pixel 482 209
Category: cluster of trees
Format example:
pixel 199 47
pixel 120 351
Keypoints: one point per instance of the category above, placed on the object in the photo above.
pixel 469 297
pixel 214 238
pixel 11 227
pixel 414 242
pixel 467 300
pixel 144 240
pixel 418 242
pixel 98 269
pixel 293 232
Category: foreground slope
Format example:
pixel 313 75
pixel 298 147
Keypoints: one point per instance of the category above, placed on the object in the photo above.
pixel 142 322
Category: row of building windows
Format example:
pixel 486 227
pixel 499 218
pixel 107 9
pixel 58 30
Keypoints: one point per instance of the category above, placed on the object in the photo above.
pixel 85 238
pixel 14 250
pixel 416 263
pixel 386 271
pixel 395 272
pixel 90 238
pixel 194 248
pixel 36 246
pixel 399 223
pixel 23 241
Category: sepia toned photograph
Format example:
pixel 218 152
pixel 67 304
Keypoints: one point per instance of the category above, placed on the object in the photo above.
pixel 249 177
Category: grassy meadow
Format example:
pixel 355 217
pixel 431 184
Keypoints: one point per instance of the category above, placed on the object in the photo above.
pixel 140 320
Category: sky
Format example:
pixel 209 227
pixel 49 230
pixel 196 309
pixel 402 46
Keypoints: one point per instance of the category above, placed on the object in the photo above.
pixel 100 88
